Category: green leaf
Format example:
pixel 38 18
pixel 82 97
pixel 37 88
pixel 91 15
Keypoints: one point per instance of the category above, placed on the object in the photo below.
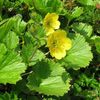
pixel 7 96
pixel 5 28
pixel 48 77
pixel 11 40
pixel 87 2
pixel 7 25
pixel 32 55
pixel 45 6
pixel 37 30
pixel 21 86
pixel 37 56
pixel 27 52
pixel 77 12
pixel 97 43
pixel 36 18
pixel 83 29
pixel 1 5
pixel 11 66
pixel 80 54
pixel 3 50
pixel 40 32
pixel 28 2
pixel 97 1
pixel 19 26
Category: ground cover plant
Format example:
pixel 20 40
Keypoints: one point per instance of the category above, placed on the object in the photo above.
pixel 49 49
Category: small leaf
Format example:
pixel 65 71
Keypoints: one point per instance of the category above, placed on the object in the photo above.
pixel 19 26
pixel 31 55
pixel 97 43
pixel 11 40
pixel 3 50
pixel 7 96
pixel 45 6
pixel 6 26
pixel 77 12
pixel 1 6
pixel 37 56
pixel 27 52
pixel 87 2
pixel 97 1
pixel 48 77
pixel 83 29
pixel 80 54
pixel 28 2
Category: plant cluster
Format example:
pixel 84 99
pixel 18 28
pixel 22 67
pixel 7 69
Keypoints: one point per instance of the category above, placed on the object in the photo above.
pixel 49 49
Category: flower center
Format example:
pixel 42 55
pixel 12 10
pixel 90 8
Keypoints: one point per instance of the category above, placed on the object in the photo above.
pixel 48 23
pixel 54 43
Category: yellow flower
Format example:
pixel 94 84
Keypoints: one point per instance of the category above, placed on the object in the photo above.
pixel 58 43
pixel 51 22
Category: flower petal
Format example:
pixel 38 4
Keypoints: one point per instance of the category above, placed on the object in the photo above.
pixel 58 54
pixel 49 31
pixel 58 43
pixel 55 25
pixel 66 43
pixel 51 22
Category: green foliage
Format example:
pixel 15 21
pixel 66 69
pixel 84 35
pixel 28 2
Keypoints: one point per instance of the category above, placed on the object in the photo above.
pixel 93 91
pixel 83 29
pixel 11 66
pixel 48 77
pixel 6 27
pixel 97 43
pixel 33 56
pixel 8 96
pixel 20 25
pixel 1 4
pixel 28 71
pixel 48 6
pixel 29 2
pixel 77 12
pixel 79 55
pixel 86 2
pixel 11 40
